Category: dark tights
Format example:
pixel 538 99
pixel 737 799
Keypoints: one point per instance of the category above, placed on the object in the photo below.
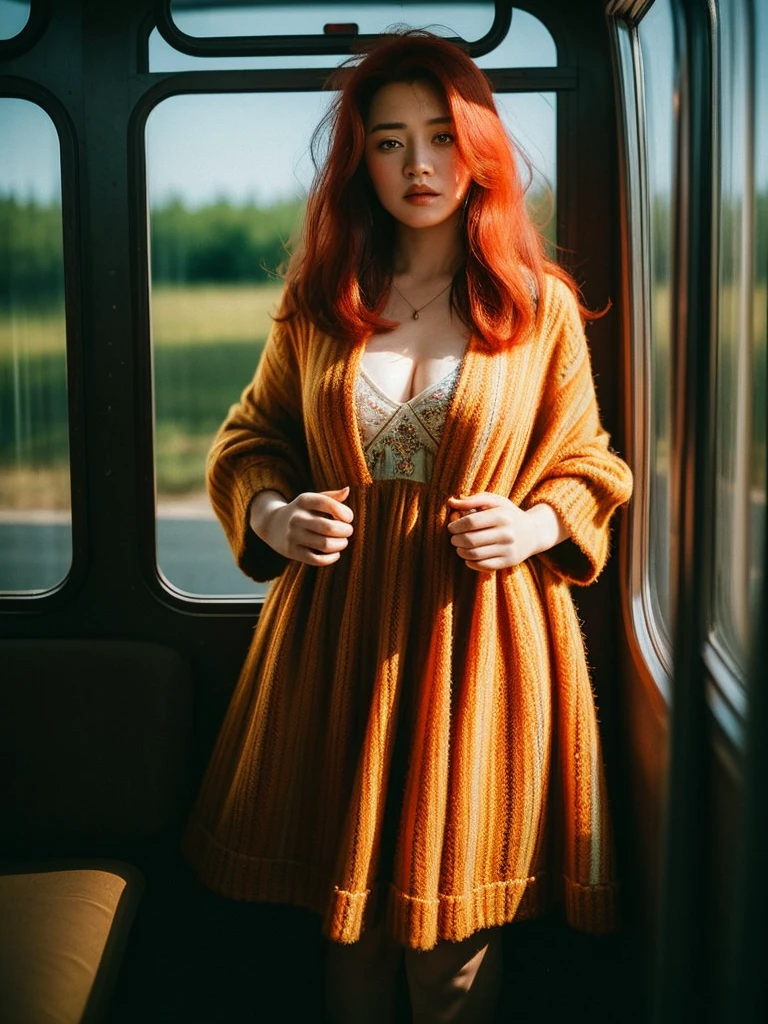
pixel 454 983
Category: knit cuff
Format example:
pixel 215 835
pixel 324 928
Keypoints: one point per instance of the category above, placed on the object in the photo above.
pixel 253 555
pixel 591 908
pixel 581 558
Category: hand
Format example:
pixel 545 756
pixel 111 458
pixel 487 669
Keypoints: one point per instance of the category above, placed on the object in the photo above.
pixel 313 528
pixel 490 532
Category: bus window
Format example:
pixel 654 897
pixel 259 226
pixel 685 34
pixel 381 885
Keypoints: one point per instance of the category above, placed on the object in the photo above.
pixel 35 501
pixel 470 21
pixel 757 471
pixel 14 15
pixel 226 177
pixel 527 44
pixel 656 106
pixel 740 325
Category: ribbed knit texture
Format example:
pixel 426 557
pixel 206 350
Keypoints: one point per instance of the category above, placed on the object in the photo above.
pixel 482 676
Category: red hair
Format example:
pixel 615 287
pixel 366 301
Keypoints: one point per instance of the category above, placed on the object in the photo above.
pixel 341 274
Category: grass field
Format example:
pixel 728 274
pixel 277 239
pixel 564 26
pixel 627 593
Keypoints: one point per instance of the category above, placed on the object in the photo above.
pixel 206 343
pixel 180 316
pixel 193 316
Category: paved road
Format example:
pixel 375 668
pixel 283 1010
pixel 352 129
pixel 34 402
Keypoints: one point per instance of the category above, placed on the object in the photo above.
pixel 192 553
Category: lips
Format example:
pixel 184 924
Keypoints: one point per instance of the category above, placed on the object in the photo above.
pixel 419 190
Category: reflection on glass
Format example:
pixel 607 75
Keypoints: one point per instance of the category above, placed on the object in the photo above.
pixel 226 179
pixel 471 20
pixel 740 378
pixel 35 531
pixel 759 355
pixel 656 36
pixel 14 15
pixel 528 43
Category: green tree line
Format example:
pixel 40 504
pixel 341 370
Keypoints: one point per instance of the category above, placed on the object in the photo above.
pixel 217 243
pixel 224 242
pixel 221 242
pixel 31 259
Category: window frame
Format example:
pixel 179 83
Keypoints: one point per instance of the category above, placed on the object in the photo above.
pixel 651 638
pixel 60 593
pixel 34 27
pixel 724 681
pixel 303 45
pixel 727 693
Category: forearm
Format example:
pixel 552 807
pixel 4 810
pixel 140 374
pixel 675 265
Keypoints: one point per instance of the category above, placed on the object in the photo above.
pixel 549 529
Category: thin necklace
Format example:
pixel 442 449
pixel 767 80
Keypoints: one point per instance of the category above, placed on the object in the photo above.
pixel 415 314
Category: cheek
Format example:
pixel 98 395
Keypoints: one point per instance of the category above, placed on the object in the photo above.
pixel 462 176
pixel 378 173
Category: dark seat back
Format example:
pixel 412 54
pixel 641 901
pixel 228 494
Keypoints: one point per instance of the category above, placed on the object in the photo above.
pixel 94 743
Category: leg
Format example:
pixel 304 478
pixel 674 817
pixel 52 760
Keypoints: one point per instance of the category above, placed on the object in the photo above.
pixel 456 982
pixel 361 979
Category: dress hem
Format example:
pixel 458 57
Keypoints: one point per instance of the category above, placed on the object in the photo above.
pixel 414 922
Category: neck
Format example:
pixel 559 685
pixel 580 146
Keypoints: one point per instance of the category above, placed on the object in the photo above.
pixel 427 254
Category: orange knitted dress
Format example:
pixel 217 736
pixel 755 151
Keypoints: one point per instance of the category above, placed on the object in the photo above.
pixel 481 678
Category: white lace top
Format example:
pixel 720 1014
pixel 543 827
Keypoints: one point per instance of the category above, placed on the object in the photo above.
pixel 400 439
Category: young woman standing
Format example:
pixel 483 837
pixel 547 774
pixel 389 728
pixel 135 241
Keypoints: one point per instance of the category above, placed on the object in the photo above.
pixel 420 464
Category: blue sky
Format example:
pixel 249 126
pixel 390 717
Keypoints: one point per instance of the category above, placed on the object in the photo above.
pixel 13 17
pixel 255 147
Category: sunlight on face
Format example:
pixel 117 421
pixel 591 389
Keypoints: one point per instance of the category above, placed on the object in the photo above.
pixel 411 155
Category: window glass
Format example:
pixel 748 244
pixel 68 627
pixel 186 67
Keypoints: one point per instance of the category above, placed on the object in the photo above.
pixel 35 530
pixel 14 15
pixel 470 20
pixel 226 179
pixel 528 43
pixel 740 326
pixel 758 459
pixel 656 36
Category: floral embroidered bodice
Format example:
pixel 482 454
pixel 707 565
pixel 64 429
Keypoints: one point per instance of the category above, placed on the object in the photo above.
pixel 400 439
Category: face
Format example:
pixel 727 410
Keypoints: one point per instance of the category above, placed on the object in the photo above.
pixel 411 155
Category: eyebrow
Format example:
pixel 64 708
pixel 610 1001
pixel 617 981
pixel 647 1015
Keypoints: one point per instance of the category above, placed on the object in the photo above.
pixel 390 126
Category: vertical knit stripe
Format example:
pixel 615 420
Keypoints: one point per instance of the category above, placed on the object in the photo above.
pixel 485 674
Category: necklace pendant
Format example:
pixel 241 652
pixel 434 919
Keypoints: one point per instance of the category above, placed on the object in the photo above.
pixel 415 315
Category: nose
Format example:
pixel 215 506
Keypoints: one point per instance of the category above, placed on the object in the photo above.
pixel 417 162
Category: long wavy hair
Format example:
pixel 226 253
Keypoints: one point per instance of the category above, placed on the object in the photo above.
pixel 340 275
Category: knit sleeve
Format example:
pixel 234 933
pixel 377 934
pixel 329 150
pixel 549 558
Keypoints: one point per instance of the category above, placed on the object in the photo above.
pixel 580 476
pixel 260 446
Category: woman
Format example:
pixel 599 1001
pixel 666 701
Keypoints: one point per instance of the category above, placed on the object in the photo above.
pixel 419 462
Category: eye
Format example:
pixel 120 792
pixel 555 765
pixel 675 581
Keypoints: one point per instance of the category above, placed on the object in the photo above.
pixel 388 144
pixel 444 138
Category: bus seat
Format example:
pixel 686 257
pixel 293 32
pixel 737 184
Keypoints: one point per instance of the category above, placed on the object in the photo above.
pixel 63 930
pixel 95 740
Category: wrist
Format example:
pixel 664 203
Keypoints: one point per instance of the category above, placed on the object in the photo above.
pixel 548 528
pixel 261 508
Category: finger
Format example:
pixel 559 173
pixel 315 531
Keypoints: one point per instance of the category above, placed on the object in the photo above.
pixel 340 494
pixel 493 564
pixel 340 510
pixel 485 499
pixel 490 565
pixel 456 516
pixel 323 504
pixel 310 557
pixel 323 545
pixel 322 526
pixel 474 521
pixel 480 522
pixel 483 553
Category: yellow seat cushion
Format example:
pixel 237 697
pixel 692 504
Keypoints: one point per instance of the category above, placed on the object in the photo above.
pixel 62 932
